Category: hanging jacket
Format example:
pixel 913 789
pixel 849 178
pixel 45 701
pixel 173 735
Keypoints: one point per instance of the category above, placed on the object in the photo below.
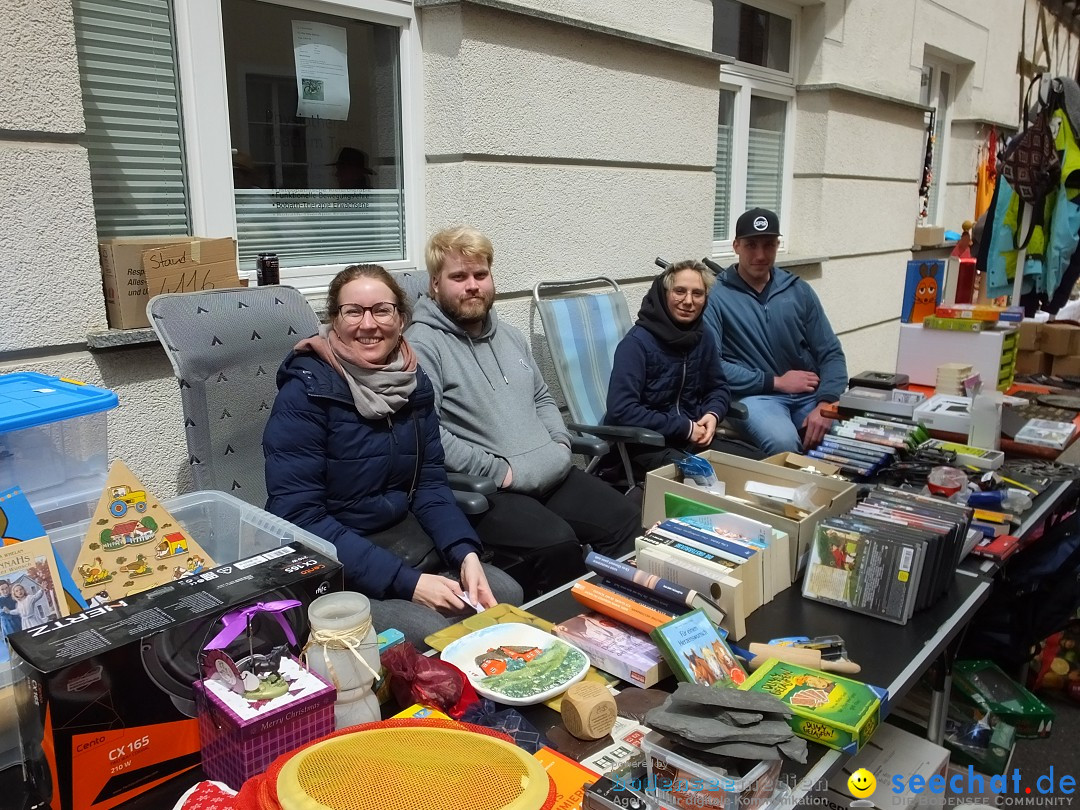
pixel 495 409
pixel 763 337
pixel 341 476
pixel 658 387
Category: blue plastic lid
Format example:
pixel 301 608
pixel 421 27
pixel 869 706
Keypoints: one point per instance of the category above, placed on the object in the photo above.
pixel 29 399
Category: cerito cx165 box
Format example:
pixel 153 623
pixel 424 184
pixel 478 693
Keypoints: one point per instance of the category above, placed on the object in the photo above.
pixel 106 709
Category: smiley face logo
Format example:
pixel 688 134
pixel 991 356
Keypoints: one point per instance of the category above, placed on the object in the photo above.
pixel 861 783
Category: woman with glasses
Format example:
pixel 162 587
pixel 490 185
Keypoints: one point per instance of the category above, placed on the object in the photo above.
pixel 666 375
pixel 353 455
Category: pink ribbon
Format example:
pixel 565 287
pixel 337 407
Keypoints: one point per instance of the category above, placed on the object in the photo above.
pixel 236 622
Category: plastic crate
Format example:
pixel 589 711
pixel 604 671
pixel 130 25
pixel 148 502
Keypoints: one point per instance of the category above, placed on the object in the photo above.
pixel 54 443
pixel 226 527
pixel 677 782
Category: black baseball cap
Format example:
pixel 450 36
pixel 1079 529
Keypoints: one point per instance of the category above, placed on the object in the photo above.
pixel 757 222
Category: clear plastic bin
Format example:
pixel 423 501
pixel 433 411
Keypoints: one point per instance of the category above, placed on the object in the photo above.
pixel 54 443
pixel 677 782
pixel 226 527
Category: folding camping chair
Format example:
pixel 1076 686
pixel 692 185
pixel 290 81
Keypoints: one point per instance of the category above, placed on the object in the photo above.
pixel 583 328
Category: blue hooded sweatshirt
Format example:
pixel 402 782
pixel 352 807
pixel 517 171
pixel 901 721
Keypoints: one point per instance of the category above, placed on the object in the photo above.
pixel 763 336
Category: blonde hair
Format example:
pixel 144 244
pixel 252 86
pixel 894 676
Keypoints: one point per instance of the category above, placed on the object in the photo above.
pixel 707 277
pixel 463 239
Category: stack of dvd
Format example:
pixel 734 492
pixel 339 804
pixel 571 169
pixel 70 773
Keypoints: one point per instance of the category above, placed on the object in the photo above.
pixel 863 445
pixel 895 553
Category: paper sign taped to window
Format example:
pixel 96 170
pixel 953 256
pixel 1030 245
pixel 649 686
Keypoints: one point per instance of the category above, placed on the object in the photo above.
pixel 322 70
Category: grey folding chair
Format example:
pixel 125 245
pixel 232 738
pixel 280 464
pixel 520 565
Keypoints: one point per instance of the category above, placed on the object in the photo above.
pixel 225 347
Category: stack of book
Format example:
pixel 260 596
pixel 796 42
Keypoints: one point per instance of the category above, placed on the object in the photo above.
pixel 738 562
pixel 895 553
pixel 950 378
pixel 863 445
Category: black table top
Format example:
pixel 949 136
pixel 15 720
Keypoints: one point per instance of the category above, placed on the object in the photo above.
pixel 892 656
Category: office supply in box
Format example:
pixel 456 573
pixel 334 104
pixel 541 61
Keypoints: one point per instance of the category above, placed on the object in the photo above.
pixel 54 443
pixel 1045 433
pixel 830 496
pixel 676 780
pixel 951 414
pixel 837 712
pixel 989 688
pixel 895 402
pixel 972 456
pixel 124 669
pixel 991 353
pixel 892 752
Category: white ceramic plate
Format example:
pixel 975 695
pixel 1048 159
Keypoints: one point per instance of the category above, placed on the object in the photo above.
pixel 523 665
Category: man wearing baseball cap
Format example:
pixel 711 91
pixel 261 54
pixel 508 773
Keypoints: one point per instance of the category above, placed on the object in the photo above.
pixel 780 355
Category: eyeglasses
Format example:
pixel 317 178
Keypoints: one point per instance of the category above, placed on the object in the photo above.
pixel 383 312
pixel 682 292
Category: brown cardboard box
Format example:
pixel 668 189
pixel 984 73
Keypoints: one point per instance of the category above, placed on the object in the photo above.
pixel 1060 338
pixel 832 496
pixel 182 263
pixel 1067 366
pixel 793 461
pixel 1028 362
pixel 1030 335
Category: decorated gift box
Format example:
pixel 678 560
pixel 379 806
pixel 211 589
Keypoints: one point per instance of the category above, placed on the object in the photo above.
pixel 256 708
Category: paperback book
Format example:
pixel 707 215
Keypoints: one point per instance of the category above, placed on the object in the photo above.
pixel 615 648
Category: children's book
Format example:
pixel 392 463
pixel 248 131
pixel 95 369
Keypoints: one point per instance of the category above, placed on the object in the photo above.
pixel 696 653
pixel 31 593
pixel 922 290
pixel 19 523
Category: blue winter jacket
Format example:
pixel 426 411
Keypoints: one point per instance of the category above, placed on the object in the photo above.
pixel 762 340
pixel 340 476
pixel 660 388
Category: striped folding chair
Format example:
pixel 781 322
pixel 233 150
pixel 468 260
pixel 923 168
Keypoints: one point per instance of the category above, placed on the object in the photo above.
pixel 584 325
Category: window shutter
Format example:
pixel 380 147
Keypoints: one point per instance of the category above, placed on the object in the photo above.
pixel 764 169
pixel 722 204
pixel 131 103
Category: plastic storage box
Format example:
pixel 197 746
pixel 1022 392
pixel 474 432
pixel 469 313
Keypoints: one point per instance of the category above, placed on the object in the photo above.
pixel 677 782
pixel 54 443
pixel 226 527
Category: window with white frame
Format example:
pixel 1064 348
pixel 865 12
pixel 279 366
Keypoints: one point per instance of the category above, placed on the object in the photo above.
pixel 756 112
pixel 936 92
pixel 287 124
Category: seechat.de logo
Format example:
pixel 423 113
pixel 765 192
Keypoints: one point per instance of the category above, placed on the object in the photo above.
pixel 861 783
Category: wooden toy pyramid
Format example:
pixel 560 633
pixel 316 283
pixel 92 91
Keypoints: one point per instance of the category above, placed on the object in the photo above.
pixel 133 543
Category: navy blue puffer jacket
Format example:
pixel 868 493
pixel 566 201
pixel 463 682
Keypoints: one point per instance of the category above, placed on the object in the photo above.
pixel 657 387
pixel 340 476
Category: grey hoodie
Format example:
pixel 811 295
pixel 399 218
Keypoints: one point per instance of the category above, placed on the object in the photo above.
pixel 495 408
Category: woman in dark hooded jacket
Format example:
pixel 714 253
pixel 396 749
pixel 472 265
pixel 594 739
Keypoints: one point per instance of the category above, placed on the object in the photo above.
pixel 666 374
pixel 353 455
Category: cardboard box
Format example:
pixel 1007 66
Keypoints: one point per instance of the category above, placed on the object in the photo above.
pixel 894 752
pixel 1030 334
pixel 794 461
pixel 1060 339
pixel 1066 366
pixel 921 351
pixel 825 708
pixel 1034 362
pixel 929 236
pixel 178 268
pixel 832 496
pixel 108 692
pixel 240 740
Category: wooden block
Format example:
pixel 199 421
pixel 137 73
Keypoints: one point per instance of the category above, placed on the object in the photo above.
pixel 588 710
